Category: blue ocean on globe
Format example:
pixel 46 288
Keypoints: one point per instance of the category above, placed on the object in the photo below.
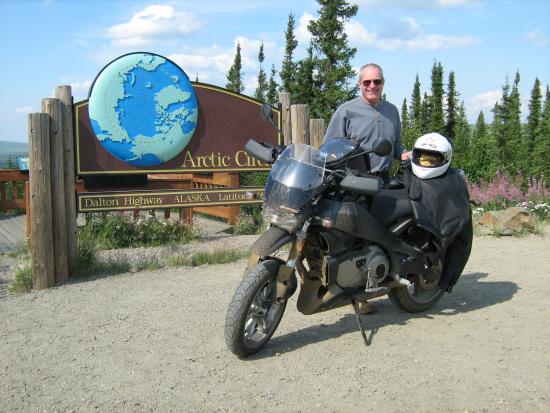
pixel 143 109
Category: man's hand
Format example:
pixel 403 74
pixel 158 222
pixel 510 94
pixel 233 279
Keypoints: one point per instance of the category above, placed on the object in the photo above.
pixel 406 155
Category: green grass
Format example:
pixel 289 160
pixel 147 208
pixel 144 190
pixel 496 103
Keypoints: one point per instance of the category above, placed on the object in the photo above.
pixel 22 279
pixel 22 250
pixel 217 257
pixel 540 225
pixel 150 264
pixel 111 267
pixel 206 258
pixel 115 231
pixel 178 261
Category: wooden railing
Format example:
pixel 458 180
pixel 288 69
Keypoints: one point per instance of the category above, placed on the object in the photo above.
pixel 14 191
pixel 202 181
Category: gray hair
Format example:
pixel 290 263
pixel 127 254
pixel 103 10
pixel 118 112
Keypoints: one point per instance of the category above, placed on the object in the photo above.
pixel 374 65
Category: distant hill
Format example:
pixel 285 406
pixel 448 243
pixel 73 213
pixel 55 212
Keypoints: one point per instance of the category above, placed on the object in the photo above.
pixel 9 151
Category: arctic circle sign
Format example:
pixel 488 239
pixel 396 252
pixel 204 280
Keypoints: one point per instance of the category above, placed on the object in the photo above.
pixel 143 109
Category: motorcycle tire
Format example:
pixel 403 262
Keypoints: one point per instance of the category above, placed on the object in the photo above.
pixel 254 314
pixel 422 299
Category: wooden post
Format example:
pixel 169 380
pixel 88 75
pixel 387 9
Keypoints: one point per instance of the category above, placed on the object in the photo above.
pixel 40 201
pixel 316 132
pixel 64 94
pixel 284 98
pixel 54 107
pixel 27 210
pixel 299 115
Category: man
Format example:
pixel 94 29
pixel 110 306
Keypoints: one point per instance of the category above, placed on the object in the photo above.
pixel 368 117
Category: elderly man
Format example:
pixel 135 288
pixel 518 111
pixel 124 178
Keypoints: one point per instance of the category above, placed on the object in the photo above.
pixel 364 119
pixel 368 117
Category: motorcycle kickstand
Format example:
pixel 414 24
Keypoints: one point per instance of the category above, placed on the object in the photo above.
pixel 359 322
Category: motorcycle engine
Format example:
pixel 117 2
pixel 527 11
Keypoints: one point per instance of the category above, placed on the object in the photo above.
pixel 365 267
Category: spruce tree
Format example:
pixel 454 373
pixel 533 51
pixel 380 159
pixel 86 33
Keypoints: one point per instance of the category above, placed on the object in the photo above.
pixel 272 96
pixel 452 100
pixel 415 113
pixel 437 118
pixel 288 66
pixel 235 75
pixel 482 153
pixel 333 68
pixel 407 139
pixel 261 90
pixel 542 145
pixel 461 143
pixel 498 128
pixel 533 128
pixel 307 92
pixel 425 112
pixel 513 130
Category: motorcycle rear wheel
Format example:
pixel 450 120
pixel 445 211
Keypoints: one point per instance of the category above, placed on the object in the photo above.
pixel 254 313
pixel 424 297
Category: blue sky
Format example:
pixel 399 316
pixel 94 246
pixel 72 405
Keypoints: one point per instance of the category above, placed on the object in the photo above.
pixel 45 43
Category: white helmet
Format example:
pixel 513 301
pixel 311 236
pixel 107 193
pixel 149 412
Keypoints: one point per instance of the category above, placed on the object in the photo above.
pixel 431 156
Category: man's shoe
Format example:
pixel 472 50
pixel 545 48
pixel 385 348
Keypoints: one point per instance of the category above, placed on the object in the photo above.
pixel 367 308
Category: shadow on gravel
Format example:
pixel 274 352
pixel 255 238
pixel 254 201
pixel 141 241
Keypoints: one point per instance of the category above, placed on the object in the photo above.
pixel 470 294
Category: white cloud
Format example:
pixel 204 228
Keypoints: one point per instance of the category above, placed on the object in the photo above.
pixel 212 64
pixel 404 33
pixel 301 32
pixel 416 4
pixel 483 102
pixel 537 37
pixel 440 41
pixel 250 49
pixel 80 89
pixel 209 64
pixel 486 99
pixel 358 34
pixel 150 25
pixel 25 109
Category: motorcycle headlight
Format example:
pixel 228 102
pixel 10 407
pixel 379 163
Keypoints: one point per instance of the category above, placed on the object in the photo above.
pixel 282 218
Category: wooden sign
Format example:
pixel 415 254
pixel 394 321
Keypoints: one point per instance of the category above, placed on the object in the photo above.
pixel 226 121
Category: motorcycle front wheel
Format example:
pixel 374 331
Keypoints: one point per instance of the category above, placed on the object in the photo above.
pixel 254 313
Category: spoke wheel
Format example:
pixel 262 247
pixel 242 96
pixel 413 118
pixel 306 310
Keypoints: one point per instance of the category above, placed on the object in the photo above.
pixel 254 313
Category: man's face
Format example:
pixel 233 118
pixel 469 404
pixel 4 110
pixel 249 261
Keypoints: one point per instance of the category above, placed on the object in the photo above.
pixel 371 84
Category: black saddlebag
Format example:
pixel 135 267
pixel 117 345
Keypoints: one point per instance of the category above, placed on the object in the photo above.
pixel 441 205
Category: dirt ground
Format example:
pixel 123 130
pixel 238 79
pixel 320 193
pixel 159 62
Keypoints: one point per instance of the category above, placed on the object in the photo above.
pixel 153 341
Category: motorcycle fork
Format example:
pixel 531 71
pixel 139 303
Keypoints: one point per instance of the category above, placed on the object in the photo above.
pixel 286 271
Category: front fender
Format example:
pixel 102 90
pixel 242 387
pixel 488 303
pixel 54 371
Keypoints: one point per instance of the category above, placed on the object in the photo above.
pixel 269 242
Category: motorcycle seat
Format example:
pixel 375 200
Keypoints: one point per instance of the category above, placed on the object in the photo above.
pixel 390 205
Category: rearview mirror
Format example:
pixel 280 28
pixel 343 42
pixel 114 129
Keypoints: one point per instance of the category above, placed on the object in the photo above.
pixel 267 112
pixel 382 147
pixel 259 151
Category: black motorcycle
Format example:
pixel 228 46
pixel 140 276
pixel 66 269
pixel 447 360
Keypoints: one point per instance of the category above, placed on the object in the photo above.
pixel 349 237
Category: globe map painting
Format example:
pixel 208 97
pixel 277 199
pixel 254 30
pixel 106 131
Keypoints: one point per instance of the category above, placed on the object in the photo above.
pixel 143 109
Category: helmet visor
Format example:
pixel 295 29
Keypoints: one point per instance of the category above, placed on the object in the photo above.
pixel 428 159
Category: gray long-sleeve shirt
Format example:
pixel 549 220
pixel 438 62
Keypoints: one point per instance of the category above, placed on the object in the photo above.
pixel 358 120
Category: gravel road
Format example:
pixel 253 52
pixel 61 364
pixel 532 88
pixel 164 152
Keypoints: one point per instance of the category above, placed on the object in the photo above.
pixel 153 341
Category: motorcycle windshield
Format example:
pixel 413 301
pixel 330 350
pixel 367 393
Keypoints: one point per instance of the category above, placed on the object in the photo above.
pixel 296 176
pixel 336 149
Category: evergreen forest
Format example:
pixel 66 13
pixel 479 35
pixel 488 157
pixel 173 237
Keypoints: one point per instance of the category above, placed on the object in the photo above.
pixel 324 79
